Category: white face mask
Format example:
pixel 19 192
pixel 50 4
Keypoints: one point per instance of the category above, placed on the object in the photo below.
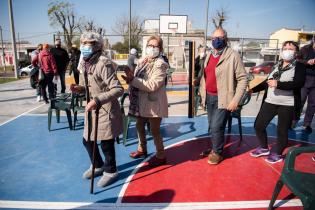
pixel 288 55
pixel 152 52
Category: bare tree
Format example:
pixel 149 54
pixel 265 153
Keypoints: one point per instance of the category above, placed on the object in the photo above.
pixel 219 18
pixel 90 25
pixel 121 27
pixel 61 14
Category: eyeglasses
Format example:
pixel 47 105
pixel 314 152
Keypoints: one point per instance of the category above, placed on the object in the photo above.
pixel 218 37
pixel 153 46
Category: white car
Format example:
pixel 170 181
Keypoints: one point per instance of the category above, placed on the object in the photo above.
pixel 25 71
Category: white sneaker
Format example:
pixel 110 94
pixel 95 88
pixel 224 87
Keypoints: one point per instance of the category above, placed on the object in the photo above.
pixel 38 99
pixel 107 179
pixel 88 173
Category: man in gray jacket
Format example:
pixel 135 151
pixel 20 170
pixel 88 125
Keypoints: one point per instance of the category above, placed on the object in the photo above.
pixel 223 82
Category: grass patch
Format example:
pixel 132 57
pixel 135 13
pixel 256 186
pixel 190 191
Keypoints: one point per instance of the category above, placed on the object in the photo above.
pixel 7 79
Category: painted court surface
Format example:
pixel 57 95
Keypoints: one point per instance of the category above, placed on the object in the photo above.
pixel 42 169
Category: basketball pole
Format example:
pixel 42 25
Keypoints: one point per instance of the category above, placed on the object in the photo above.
pixel 191 70
pixel 206 29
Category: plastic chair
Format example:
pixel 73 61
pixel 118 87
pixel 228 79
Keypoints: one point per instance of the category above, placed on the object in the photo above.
pixel 169 73
pixel 299 183
pixel 197 99
pixel 126 119
pixel 77 106
pixel 60 104
pixel 237 114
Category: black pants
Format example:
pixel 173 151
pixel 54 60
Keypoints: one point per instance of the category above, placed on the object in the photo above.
pixel 76 75
pixel 265 115
pixel 62 76
pixel 48 81
pixel 108 148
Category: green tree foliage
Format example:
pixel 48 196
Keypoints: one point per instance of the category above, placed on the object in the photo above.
pixel 122 28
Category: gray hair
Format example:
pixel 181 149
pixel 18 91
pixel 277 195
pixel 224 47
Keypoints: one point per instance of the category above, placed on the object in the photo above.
pixel 91 36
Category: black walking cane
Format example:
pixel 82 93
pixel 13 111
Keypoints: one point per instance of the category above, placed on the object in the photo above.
pixel 89 126
pixel 94 148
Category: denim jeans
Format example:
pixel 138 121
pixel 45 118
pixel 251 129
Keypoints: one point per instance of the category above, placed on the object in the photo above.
pixel 217 119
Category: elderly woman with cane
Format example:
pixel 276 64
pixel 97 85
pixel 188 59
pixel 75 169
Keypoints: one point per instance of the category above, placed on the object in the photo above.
pixel 102 90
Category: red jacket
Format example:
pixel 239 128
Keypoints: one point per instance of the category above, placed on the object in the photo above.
pixel 47 62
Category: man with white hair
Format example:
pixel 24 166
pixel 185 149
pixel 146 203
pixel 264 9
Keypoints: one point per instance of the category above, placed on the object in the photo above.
pixel 62 59
pixel 104 89
pixel 132 59
pixel 223 81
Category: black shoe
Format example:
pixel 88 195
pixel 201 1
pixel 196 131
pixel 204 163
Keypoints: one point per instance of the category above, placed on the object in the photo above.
pixel 308 129
pixel 205 153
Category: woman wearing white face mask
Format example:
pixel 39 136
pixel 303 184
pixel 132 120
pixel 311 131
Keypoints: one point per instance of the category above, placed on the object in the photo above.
pixel 283 98
pixel 148 100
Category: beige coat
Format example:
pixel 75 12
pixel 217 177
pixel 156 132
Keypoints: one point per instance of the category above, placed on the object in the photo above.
pixel 105 88
pixel 231 79
pixel 152 90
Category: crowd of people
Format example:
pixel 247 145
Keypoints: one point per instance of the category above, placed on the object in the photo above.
pixel 222 82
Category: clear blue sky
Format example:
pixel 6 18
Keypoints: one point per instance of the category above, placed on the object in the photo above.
pixel 246 18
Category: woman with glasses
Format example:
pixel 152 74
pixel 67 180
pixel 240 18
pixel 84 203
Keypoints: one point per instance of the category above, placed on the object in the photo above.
pixel 282 98
pixel 148 100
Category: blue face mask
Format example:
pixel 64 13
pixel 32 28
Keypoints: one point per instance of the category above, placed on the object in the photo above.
pixel 218 43
pixel 86 50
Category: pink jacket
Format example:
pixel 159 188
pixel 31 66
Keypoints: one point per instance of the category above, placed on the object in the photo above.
pixel 47 62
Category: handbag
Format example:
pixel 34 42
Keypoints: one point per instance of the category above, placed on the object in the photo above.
pixel 41 75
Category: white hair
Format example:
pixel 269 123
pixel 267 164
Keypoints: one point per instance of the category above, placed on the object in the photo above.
pixel 91 36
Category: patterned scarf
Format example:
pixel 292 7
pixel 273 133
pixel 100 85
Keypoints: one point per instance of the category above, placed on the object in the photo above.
pixel 134 92
pixel 216 54
pixel 90 60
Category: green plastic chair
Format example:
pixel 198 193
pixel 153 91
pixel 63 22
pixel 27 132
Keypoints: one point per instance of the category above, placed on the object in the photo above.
pixel 197 99
pixel 60 103
pixel 169 73
pixel 237 114
pixel 126 119
pixel 300 183
pixel 77 106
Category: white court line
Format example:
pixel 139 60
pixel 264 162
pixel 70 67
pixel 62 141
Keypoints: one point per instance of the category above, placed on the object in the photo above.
pixel 146 206
pixel 21 115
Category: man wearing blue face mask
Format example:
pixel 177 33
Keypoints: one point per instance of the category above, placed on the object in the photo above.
pixel 222 84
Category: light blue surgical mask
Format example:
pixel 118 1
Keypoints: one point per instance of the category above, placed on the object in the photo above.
pixel 86 50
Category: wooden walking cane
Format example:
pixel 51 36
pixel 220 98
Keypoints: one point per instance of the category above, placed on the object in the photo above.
pixel 94 148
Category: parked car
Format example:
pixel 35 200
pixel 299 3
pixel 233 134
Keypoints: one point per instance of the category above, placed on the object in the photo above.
pixel 263 68
pixel 25 71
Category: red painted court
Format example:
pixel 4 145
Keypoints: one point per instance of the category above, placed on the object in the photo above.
pixel 189 178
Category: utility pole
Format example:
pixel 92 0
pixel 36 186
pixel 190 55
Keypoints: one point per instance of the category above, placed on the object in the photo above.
pixel 3 55
pixel 129 47
pixel 15 62
pixel 168 36
pixel 206 29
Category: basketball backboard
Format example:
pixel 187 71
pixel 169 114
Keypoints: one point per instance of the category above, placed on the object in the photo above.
pixel 173 24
